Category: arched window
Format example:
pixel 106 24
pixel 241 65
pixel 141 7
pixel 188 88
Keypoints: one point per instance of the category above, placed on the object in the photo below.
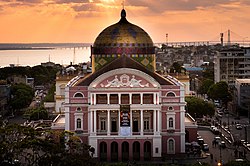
pixel 171 146
pixel 170 94
pixel 78 109
pixel 170 108
pixel 78 94
pixel 78 123
pixel 171 122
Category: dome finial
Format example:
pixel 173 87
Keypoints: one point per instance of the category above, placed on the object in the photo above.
pixel 123 13
pixel 123 4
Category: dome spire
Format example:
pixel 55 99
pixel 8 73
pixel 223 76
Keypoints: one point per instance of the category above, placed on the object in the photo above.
pixel 123 4
pixel 123 12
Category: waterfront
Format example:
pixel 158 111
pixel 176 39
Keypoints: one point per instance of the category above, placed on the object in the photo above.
pixel 33 57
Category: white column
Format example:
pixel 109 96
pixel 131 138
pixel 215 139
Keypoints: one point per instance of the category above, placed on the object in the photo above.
pixel 141 94
pixel 131 122
pixel 91 122
pixel 130 98
pixel 141 122
pixel 67 119
pixel 154 98
pixel 108 97
pixel 94 122
pixel 154 122
pixel 119 98
pixel 91 99
pixel 119 118
pixel 158 98
pixel 94 99
pixel 158 122
pixel 108 122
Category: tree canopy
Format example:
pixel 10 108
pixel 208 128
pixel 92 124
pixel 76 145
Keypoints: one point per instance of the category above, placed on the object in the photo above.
pixel 220 91
pixel 205 85
pixel 177 68
pixel 22 96
pixel 30 147
pixel 42 75
pixel 198 108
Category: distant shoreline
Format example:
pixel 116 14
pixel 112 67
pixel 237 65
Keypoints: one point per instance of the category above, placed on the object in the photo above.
pixel 41 46
pixel 27 48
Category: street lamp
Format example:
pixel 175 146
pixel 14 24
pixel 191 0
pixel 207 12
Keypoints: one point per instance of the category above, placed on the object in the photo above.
pixel 220 162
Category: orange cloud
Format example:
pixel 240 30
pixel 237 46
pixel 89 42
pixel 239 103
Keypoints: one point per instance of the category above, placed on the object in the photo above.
pixel 82 21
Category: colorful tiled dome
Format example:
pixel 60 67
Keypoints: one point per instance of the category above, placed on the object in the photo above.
pixel 123 34
pixel 126 39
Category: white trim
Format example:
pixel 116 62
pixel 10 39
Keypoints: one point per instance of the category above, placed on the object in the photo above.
pixel 78 93
pixel 135 72
pixel 76 118
pixel 171 92
pixel 168 117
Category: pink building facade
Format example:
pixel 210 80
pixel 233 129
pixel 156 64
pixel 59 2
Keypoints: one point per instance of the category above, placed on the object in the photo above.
pixel 124 109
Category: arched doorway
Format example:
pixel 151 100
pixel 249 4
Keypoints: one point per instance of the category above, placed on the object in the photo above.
pixel 136 151
pixel 147 151
pixel 114 151
pixel 103 151
pixel 125 151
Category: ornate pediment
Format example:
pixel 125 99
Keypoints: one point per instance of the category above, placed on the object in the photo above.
pixel 124 80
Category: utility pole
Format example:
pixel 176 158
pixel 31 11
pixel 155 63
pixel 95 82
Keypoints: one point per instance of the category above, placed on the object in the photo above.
pixel 167 38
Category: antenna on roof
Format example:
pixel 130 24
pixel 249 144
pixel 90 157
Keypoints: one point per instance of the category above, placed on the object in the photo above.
pixel 123 4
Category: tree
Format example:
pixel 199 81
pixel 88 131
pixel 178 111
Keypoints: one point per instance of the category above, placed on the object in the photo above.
pixel 30 147
pixel 22 96
pixel 198 108
pixel 38 113
pixel 220 91
pixel 209 71
pixel 205 85
pixel 177 68
pixel 51 93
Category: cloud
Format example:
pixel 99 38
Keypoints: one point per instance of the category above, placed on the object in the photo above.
pixel 160 6
pixel 29 1
pixel 85 7
pixel 71 1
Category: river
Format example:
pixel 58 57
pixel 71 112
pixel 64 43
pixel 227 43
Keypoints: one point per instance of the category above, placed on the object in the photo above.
pixel 33 57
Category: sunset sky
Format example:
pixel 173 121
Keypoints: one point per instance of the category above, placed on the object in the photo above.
pixel 27 21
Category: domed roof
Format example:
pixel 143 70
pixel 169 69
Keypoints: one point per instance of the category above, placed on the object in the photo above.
pixel 123 34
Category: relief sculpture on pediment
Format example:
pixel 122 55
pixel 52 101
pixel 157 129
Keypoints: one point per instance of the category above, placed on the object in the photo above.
pixel 124 81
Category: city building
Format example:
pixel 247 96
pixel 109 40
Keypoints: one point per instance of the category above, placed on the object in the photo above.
pixel 232 63
pixel 242 93
pixel 124 109
pixel 4 98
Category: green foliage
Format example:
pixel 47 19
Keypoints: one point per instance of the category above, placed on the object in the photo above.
pixel 38 113
pixel 208 73
pixel 205 85
pixel 22 96
pixel 32 148
pixel 220 91
pixel 42 75
pixel 197 107
pixel 50 96
pixel 177 68
pixel 10 71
